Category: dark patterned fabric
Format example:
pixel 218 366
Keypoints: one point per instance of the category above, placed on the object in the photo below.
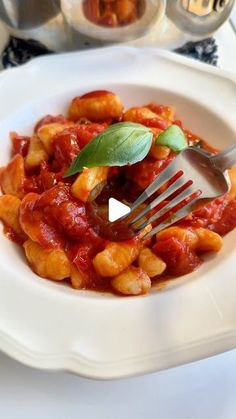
pixel 19 51
pixel 205 50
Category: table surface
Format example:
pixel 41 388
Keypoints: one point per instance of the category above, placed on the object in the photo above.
pixel 204 389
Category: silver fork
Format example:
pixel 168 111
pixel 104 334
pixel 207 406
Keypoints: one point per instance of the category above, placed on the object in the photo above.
pixel 192 175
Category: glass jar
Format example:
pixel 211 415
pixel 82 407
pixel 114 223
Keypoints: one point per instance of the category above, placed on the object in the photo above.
pixel 112 20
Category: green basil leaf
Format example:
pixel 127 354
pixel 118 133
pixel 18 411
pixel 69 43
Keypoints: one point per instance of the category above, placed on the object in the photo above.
pixel 173 137
pixel 120 144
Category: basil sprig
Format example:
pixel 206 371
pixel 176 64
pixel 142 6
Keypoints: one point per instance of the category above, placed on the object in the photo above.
pixel 173 137
pixel 120 144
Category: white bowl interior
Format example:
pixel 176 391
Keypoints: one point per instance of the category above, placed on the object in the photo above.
pixel 195 116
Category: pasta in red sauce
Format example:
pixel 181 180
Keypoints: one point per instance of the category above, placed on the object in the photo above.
pixel 46 213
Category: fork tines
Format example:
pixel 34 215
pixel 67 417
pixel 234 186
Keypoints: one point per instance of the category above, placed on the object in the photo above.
pixel 173 195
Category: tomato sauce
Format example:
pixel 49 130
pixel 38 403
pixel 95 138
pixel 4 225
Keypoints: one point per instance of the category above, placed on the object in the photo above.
pixel 20 144
pixel 50 119
pixel 56 219
pixel 113 13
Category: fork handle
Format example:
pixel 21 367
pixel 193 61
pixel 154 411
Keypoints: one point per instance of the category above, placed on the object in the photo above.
pixel 225 159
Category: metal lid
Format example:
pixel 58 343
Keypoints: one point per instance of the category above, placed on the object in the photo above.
pixel 199 17
pixel 26 14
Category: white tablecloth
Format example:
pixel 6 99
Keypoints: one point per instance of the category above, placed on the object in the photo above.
pixel 201 390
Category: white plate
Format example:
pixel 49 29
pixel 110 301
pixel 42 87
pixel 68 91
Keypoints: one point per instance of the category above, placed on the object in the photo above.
pixel 47 325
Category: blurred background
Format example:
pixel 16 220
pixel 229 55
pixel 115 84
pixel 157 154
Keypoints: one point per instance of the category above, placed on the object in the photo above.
pixel 77 24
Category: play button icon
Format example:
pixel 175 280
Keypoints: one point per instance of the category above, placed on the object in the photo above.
pixel 116 209
pixel 105 216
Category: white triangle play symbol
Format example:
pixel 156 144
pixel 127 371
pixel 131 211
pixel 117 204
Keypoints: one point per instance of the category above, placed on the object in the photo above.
pixel 116 209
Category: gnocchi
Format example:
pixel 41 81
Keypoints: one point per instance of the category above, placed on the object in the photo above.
pixel 185 235
pixel 47 132
pixel 159 152
pixel 62 220
pixel 87 181
pixel 97 106
pixel 77 281
pixel 9 213
pixel 115 258
pixel 199 239
pixel 36 154
pixel 47 263
pixel 138 114
pixel 150 263
pixel 13 177
pixel 132 281
pixel 232 176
